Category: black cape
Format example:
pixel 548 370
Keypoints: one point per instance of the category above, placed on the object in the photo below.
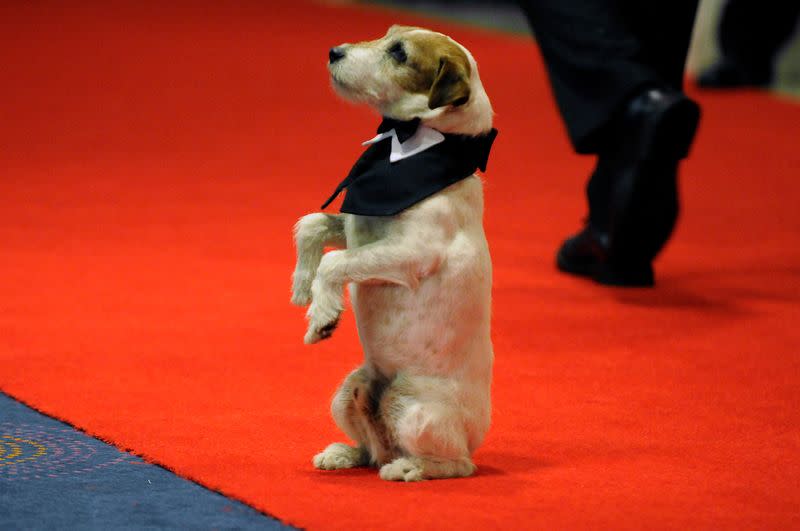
pixel 378 187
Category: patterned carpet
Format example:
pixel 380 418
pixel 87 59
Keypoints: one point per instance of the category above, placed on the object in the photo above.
pixel 55 477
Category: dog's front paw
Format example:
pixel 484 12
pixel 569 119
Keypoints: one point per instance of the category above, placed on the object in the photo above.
pixel 317 333
pixel 301 287
pixel 323 314
pixel 338 456
pixel 402 469
pixel 323 317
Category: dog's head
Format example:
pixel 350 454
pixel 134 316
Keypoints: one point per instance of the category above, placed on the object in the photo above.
pixel 414 73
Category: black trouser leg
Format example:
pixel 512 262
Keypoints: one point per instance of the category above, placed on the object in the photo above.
pixel 664 29
pixel 599 54
pixel 751 33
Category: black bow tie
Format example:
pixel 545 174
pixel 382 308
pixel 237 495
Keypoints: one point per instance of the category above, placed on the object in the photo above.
pixel 404 129
pixel 378 187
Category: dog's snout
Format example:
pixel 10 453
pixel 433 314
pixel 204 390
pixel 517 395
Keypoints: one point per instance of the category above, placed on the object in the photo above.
pixel 335 53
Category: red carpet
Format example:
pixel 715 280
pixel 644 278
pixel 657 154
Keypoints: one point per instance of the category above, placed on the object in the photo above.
pixel 153 162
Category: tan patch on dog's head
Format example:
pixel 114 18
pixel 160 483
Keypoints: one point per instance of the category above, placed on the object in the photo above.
pixel 435 65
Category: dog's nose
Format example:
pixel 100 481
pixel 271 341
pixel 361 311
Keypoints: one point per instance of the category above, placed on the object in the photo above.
pixel 334 54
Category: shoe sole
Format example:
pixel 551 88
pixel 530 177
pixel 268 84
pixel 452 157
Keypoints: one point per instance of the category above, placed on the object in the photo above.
pixel 581 269
pixel 630 277
pixel 606 273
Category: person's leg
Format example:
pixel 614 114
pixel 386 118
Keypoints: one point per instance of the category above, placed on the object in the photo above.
pixel 594 61
pixel 664 29
pixel 750 35
pixel 599 53
pixel 616 69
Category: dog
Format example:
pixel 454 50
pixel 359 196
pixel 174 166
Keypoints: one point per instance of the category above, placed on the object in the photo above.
pixel 420 280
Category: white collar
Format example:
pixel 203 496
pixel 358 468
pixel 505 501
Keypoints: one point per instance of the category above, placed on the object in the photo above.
pixel 422 139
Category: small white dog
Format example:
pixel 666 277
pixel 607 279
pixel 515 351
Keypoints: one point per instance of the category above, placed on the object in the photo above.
pixel 420 279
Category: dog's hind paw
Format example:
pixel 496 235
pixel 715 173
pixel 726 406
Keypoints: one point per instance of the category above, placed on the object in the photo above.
pixel 402 469
pixel 338 456
pixel 415 468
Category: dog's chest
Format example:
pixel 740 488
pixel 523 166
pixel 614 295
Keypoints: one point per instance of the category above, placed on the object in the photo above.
pixel 362 230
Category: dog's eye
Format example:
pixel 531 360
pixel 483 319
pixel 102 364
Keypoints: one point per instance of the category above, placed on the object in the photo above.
pixel 397 52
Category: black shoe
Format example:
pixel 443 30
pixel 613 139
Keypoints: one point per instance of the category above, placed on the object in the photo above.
pixel 728 75
pixel 650 137
pixel 587 254
pixel 582 253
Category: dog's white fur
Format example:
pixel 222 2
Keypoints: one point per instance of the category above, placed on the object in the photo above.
pixel 420 286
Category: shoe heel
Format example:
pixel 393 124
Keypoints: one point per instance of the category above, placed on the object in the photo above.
pixel 673 132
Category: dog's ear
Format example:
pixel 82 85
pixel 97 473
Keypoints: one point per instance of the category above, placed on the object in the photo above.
pixel 451 86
